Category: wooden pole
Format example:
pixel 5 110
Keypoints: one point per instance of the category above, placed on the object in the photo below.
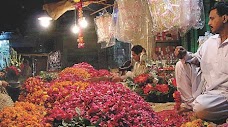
pixel 101 9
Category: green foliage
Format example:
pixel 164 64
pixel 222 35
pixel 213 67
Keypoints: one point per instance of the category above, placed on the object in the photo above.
pixel 78 121
pixel 48 76
pixel 15 59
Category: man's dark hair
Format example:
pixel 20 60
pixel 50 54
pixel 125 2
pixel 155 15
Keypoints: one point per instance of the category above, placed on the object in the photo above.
pixel 221 7
pixel 182 53
pixel 137 49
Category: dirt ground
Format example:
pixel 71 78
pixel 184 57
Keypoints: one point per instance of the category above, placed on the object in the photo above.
pixel 157 107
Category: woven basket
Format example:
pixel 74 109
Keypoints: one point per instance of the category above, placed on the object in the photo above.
pixel 5 99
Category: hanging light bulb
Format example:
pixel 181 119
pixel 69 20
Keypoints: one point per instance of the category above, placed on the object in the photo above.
pixel 45 21
pixel 75 29
pixel 83 23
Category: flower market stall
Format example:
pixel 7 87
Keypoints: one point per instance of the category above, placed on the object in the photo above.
pixel 81 95
pixel 69 98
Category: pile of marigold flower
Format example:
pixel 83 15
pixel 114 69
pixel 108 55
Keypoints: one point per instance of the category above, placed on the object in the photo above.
pixel 34 90
pixel 23 114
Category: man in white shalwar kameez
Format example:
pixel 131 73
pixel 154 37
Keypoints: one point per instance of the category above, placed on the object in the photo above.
pixel 204 89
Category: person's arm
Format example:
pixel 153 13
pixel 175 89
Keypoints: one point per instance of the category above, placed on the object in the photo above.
pixel 195 58
pixel 117 78
pixel 189 57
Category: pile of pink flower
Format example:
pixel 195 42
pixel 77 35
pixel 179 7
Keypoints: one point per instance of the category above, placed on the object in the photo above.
pixel 92 71
pixel 82 71
pixel 105 103
pixel 108 104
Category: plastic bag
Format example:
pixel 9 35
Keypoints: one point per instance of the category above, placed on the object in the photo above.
pixel 5 99
pixel 130 20
pixel 103 27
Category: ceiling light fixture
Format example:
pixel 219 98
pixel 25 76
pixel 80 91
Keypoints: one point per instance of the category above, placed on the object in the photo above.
pixel 83 23
pixel 45 21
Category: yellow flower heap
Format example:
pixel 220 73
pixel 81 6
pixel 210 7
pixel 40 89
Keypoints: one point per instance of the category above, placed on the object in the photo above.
pixel 34 91
pixel 60 91
pixel 22 114
pixel 80 72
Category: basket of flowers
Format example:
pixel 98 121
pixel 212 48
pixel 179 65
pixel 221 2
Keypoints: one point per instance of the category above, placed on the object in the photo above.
pixel 12 76
pixel 150 87
pixel 13 71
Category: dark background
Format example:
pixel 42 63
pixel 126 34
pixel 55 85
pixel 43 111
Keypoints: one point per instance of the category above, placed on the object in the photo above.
pixel 14 14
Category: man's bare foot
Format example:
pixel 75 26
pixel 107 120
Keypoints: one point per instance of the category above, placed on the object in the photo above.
pixel 183 110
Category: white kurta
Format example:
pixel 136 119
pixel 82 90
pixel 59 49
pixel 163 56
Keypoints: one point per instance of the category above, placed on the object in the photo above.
pixel 138 68
pixel 188 79
pixel 212 103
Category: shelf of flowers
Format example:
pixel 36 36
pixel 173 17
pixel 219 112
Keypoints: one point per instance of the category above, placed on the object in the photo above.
pixel 68 99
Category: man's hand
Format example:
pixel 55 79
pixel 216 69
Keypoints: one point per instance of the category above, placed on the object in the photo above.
pixel 183 110
pixel 4 83
pixel 116 79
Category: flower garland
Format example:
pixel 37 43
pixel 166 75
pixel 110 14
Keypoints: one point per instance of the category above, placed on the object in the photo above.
pixel 80 40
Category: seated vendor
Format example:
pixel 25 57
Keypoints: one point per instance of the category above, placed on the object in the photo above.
pixel 139 67
pixel 127 66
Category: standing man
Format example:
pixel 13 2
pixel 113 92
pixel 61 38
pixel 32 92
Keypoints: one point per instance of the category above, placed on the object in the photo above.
pixel 208 98
pixel 26 70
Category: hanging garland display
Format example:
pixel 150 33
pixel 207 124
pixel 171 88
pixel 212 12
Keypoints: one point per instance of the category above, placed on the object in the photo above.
pixel 80 40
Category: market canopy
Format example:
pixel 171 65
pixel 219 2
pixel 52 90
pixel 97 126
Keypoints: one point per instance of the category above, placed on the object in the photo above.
pixel 56 9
